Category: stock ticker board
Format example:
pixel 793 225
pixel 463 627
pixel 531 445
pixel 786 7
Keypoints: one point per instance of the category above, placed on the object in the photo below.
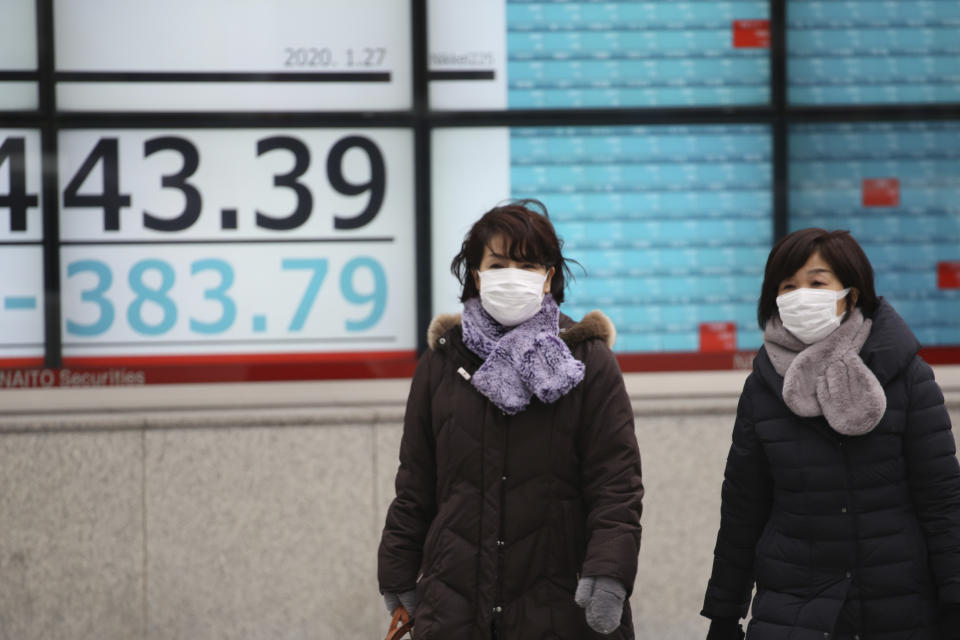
pixel 588 54
pixel 873 52
pixel 196 239
pixel 520 54
pixel 895 187
pixel 672 224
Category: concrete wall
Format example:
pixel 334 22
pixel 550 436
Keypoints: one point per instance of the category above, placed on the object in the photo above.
pixel 254 511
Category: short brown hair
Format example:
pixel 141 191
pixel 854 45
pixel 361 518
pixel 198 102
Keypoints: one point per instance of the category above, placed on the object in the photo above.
pixel 529 236
pixel 838 248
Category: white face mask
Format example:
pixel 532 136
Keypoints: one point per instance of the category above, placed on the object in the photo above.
pixel 811 314
pixel 511 296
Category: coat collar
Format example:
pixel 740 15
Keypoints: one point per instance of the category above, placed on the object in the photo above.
pixel 594 325
pixel 891 346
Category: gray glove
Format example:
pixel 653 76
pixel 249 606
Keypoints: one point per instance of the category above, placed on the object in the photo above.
pixel 393 600
pixel 602 597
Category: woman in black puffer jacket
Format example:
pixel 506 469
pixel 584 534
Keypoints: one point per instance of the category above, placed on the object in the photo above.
pixel 841 496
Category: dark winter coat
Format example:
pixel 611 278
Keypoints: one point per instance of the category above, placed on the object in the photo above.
pixel 867 526
pixel 499 515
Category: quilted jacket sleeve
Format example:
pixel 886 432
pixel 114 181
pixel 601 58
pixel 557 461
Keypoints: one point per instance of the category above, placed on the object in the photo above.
pixel 413 509
pixel 611 483
pixel 746 499
pixel 934 477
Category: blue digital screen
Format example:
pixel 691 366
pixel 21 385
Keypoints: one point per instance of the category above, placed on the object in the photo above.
pixel 671 223
pixel 873 52
pixel 896 188
pixel 615 54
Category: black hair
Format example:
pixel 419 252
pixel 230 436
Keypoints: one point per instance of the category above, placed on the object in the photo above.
pixel 529 236
pixel 837 248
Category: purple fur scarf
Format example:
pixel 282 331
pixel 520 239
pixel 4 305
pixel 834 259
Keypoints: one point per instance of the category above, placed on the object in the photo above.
pixel 523 361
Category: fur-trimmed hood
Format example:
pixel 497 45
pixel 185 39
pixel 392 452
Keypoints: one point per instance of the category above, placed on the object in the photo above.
pixel 594 325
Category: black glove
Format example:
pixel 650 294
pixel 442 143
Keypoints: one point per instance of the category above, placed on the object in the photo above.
pixel 725 629
pixel 950 621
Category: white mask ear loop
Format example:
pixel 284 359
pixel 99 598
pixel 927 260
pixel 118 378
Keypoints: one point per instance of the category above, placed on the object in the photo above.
pixel 845 294
pixel 840 295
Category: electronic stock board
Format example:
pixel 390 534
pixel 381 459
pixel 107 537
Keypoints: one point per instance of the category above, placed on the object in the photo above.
pixel 188 247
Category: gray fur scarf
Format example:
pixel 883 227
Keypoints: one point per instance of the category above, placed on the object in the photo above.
pixel 828 377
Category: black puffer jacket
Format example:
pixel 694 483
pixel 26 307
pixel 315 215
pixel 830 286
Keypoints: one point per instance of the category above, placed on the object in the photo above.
pixel 499 514
pixel 868 526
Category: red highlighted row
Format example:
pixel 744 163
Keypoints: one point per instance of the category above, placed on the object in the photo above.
pixel 751 34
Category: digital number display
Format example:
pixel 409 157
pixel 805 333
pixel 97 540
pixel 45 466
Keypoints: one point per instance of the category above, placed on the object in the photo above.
pixel 672 224
pixel 894 186
pixel 20 192
pixel 115 55
pixel 21 250
pixel 18 56
pixel 523 54
pixel 225 298
pixel 872 52
pixel 230 184
pixel 215 241
pixel 21 303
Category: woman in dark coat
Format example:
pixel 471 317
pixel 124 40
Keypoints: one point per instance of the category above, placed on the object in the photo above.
pixel 841 496
pixel 517 515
